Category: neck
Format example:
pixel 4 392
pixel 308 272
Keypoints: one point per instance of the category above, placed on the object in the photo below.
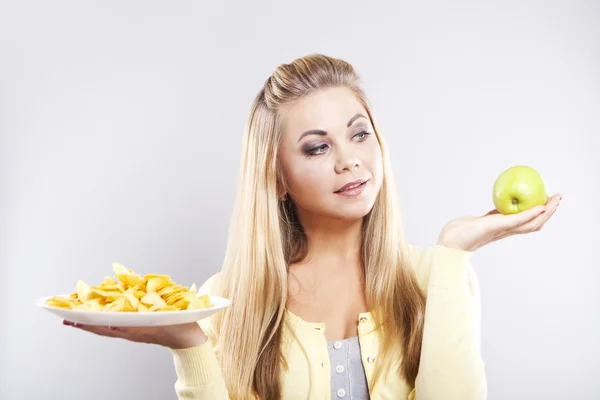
pixel 333 243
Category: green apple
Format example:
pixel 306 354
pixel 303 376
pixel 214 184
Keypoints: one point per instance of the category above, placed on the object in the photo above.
pixel 519 188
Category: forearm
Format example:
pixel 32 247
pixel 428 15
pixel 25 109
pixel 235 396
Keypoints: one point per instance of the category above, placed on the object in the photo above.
pixel 451 366
pixel 199 374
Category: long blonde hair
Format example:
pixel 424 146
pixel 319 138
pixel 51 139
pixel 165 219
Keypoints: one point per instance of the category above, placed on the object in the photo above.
pixel 265 237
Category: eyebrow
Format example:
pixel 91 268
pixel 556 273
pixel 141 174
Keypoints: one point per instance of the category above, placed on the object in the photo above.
pixel 321 132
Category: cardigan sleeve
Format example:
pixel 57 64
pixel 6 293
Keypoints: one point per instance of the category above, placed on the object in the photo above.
pixel 199 374
pixel 451 366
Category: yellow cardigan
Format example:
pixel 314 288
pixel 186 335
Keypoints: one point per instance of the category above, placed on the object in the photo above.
pixel 451 366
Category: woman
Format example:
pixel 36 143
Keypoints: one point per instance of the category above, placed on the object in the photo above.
pixel 328 301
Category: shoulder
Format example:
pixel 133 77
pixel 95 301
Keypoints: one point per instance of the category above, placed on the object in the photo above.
pixel 210 286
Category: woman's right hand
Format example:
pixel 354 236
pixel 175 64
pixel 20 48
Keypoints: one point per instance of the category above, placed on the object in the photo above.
pixel 173 336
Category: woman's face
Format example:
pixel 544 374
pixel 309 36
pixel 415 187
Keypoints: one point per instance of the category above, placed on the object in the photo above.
pixel 328 142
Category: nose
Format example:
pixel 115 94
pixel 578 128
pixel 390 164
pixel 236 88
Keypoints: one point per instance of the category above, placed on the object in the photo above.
pixel 346 161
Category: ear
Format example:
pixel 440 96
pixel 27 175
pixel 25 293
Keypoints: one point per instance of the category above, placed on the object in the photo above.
pixel 282 189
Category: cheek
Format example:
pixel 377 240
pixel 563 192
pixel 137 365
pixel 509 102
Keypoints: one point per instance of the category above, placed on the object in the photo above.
pixel 378 162
pixel 307 178
pixel 372 158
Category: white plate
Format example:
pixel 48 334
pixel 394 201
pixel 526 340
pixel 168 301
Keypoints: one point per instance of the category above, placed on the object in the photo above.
pixel 112 318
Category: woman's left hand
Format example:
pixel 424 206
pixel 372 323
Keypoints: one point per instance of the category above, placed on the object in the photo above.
pixel 471 233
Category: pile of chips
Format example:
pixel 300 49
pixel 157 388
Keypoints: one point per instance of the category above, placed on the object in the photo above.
pixel 130 292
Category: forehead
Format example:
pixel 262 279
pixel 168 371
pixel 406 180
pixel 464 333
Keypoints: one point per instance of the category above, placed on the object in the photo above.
pixel 327 109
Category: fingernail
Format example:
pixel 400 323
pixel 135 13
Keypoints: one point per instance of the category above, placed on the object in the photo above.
pixel 77 325
pixel 112 328
pixel 67 323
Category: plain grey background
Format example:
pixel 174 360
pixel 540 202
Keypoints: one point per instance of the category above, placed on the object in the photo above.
pixel 121 126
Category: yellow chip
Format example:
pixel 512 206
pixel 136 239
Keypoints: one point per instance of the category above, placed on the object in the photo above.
pixel 62 302
pixel 153 299
pixel 130 280
pixel 147 277
pixel 117 305
pixel 171 290
pixel 93 305
pixel 173 298
pixel 139 294
pixel 116 287
pixel 156 284
pixel 181 304
pixel 200 302
pixel 107 294
pixel 128 307
pixel 84 292
pixel 108 281
pixel 129 294
pixel 120 269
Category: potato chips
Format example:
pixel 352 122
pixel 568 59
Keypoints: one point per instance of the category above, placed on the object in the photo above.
pixel 130 292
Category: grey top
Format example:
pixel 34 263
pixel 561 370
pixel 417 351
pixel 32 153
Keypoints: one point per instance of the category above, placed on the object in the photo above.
pixel 348 379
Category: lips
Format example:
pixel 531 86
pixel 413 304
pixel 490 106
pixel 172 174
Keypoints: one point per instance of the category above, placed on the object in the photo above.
pixel 351 185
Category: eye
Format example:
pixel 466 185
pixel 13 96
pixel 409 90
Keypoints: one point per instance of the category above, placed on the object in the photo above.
pixel 315 151
pixel 362 135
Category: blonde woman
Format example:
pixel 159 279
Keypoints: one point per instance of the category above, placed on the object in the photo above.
pixel 327 299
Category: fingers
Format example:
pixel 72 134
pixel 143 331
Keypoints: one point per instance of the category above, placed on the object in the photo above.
pixel 538 223
pixel 98 330
pixel 535 216
pixel 516 220
pixel 132 334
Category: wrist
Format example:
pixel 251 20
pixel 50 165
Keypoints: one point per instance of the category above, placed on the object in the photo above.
pixel 449 245
pixel 444 241
pixel 191 338
pixel 448 242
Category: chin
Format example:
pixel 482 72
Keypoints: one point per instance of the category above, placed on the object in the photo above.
pixel 352 212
